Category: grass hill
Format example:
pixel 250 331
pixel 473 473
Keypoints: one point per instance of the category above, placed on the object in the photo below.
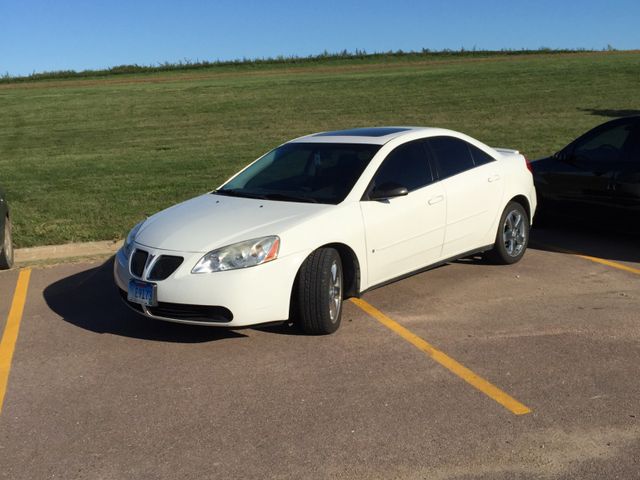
pixel 86 156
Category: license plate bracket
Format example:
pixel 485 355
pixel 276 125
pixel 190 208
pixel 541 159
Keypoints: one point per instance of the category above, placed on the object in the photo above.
pixel 143 293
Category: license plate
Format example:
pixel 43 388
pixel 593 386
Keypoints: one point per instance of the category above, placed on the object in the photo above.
pixel 142 292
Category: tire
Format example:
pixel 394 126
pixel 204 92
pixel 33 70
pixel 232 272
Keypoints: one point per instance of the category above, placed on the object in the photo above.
pixel 6 249
pixel 512 237
pixel 319 292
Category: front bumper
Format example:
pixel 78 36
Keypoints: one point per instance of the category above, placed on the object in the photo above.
pixel 252 295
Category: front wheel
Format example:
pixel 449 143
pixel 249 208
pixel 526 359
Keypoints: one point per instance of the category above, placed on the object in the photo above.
pixel 512 237
pixel 6 249
pixel 319 292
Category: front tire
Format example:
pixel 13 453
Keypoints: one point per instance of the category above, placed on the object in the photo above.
pixel 6 250
pixel 319 292
pixel 512 237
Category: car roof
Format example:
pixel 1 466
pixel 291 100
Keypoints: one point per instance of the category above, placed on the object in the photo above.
pixel 368 135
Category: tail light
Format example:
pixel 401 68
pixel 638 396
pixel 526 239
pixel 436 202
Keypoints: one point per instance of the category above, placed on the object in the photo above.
pixel 528 164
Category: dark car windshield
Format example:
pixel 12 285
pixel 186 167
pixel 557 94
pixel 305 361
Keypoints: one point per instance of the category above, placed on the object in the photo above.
pixel 303 172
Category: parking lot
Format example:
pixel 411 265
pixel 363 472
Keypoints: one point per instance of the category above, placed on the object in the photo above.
pixel 414 391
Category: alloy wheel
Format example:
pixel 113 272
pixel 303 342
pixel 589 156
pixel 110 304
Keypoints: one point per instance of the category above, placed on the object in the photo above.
pixel 514 233
pixel 335 292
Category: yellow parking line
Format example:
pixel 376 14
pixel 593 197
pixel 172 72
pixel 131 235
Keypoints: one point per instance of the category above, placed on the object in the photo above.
pixel 602 261
pixel 609 263
pixel 10 335
pixel 446 361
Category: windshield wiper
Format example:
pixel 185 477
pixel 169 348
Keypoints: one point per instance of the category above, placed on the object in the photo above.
pixel 288 196
pixel 265 196
pixel 239 193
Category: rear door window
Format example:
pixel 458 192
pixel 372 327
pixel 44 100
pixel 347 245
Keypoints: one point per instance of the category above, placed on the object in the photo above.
pixel 452 155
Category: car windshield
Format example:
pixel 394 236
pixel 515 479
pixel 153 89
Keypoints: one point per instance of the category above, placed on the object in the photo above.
pixel 303 172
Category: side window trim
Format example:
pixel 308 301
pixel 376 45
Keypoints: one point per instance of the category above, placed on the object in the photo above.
pixel 435 165
pixel 428 156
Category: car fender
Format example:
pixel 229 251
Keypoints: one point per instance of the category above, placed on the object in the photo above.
pixel 339 225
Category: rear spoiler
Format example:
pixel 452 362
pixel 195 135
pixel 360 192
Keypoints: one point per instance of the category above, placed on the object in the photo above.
pixel 514 153
pixel 507 151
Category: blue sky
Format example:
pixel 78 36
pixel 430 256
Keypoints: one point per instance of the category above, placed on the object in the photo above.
pixel 42 35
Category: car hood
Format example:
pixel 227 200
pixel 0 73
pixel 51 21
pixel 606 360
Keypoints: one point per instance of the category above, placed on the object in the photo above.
pixel 211 221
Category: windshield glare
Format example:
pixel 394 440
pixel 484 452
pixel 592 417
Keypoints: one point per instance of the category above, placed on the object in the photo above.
pixel 304 172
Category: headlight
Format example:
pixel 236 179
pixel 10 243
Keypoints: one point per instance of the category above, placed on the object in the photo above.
pixel 239 255
pixel 128 243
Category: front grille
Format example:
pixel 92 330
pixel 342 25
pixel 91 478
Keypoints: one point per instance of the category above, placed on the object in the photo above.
pixel 138 261
pixel 165 266
pixel 197 313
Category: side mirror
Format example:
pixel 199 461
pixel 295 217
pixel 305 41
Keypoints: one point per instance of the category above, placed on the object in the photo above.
pixel 388 190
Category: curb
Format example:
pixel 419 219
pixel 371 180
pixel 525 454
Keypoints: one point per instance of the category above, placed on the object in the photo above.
pixel 65 252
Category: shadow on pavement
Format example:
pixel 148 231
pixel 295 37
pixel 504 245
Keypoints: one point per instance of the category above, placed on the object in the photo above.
pixel 90 300
pixel 586 240
pixel 477 259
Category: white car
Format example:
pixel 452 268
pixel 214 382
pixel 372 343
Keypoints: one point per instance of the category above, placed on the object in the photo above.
pixel 323 218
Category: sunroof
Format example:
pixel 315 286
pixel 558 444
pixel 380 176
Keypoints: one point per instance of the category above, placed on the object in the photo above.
pixel 363 132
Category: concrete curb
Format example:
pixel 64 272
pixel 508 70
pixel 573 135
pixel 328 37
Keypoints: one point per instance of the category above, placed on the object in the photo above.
pixel 49 253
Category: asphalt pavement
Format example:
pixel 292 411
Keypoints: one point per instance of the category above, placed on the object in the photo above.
pixel 97 392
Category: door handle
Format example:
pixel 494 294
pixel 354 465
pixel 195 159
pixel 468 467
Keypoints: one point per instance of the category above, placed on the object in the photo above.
pixel 493 178
pixel 434 200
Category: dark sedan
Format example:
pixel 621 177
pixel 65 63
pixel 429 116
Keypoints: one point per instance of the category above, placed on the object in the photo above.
pixel 6 247
pixel 597 176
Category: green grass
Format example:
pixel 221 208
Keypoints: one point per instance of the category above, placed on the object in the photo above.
pixel 326 58
pixel 85 159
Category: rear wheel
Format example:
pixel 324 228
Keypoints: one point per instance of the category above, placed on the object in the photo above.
pixel 512 237
pixel 319 292
pixel 6 252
